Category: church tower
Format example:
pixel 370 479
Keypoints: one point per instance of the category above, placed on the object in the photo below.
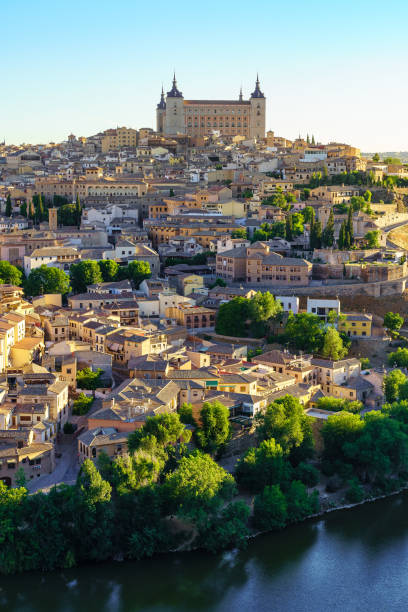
pixel 258 103
pixel 174 114
pixel 161 113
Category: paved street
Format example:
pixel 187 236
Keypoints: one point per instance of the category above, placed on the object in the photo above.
pixel 66 467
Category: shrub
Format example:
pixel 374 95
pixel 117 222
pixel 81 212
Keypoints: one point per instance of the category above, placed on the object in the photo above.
pixel 82 404
pixel 354 493
pixel 307 474
pixel 69 428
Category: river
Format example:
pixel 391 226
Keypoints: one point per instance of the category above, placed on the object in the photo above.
pixel 353 560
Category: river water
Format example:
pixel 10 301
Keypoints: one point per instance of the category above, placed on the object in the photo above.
pixel 353 560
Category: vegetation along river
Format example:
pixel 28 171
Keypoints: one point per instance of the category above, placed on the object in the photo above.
pixel 353 559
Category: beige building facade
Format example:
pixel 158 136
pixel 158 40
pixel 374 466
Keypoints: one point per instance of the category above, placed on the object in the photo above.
pixel 175 115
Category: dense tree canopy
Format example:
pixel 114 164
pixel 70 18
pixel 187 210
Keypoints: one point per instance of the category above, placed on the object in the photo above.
pixel 138 271
pixel 215 430
pixel 109 269
pixel 333 344
pixel 89 379
pixel 9 274
pixel 264 465
pixel 393 383
pixel 393 321
pixel 84 273
pixel 286 422
pixel 46 280
pixel 242 317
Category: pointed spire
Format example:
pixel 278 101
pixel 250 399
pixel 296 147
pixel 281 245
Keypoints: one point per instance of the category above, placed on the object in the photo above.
pixel 162 103
pixel 174 92
pixel 257 93
pixel 240 94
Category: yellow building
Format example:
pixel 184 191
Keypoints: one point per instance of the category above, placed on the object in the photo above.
pixel 118 139
pixel 356 325
pixel 232 208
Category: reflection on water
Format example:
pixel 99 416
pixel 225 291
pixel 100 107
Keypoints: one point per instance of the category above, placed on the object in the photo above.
pixel 351 560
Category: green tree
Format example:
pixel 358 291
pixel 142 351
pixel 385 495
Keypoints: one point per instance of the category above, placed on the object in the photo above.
pixel 109 269
pixel 328 232
pixel 83 274
pixel 239 233
pixel 342 237
pixel 263 306
pixel 372 239
pixel 9 274
pixel 227 529
pixel 20 479
pixel 270 509
pixel 339 430
pixel 78 211
pixel 186 414
pixel 307 474
pixel 46 280
pixel 286 422
pixel 219 282
pixel 9 207
pixel 333 344
pixel 316 235
pixel 392 321
pixel 305 194
pixel 392 383
pixel 297 224
pixel 232 316
pixel 265 465
pixel 39 208
pixel 305 332
pixel 164 428
pixel 368 195
pixel 289 228
pixel 88 379
pixel 82 404
pixel 349 228
pixel 198 485
pixel 299 503
pixel 376 157
pixel 215 430
pixel 67 215
pixel 308 214
pixel 138 271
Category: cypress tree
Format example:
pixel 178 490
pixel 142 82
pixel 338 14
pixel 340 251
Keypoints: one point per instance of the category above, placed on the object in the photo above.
pixel 39 209
pixel 316 235
pixel 289 228
pixel 328 232
pixel 342 236
pixel 349 227
pixel 78 211
pixel 8 206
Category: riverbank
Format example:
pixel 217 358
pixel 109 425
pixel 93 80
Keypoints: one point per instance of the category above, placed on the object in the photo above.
pixel 318 515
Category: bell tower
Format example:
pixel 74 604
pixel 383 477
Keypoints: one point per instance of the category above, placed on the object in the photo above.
pixel 174 118
pixel 53 219
pixel 161 113
pixel 258 104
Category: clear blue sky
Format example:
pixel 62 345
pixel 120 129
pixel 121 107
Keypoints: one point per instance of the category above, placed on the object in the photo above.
pixel 337 70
